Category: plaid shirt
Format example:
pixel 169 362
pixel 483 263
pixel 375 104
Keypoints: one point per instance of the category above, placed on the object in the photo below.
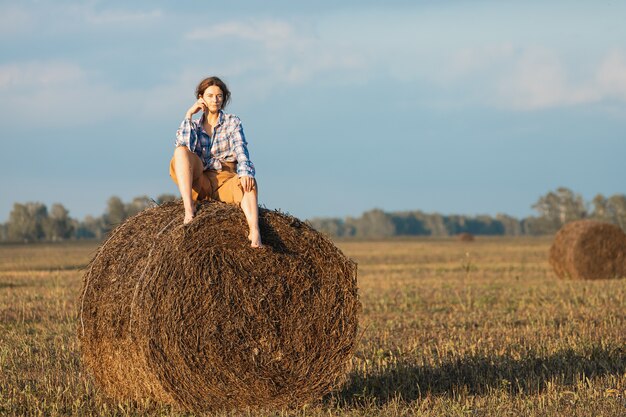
pixel 227 144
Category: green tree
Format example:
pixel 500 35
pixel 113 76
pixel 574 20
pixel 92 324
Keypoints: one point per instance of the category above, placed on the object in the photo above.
pixel 330 226
pixel 138 205
pixel 91 228
pixel 435 222
pixel 512 226
pixel 559 207
pixel 375 223
pixel 611 210
pixel 409 223
pixel 26 222
pixel 115 212
pixel 58 225
pixel 616 209
pixel 600 211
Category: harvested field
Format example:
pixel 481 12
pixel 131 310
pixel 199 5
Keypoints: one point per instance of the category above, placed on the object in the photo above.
pixel 449 329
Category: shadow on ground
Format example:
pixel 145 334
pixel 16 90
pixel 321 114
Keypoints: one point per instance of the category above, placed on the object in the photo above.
pixel 480 374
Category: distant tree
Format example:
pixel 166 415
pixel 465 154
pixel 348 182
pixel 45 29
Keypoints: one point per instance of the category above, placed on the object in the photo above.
pixel 163 198
pixel 616 209
pixel 536 226
pixel 512 226
pixel 524 223
pixel 138 204
pixel 600 211
pixel 484 225
pixel 75 225
pixel 454 224
pixel 611 210
pixel 330 226
pixel 409 223
pixel 435 222
pixel 115 212
pixel 91 228
pixel 375 223
pixel 26 222
pixel 559 207
pixel 58 225
pixel 352 226
pixel 3 232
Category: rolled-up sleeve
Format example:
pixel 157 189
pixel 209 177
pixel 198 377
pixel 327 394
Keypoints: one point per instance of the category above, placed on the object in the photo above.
pixel 245 167
pixel 185 134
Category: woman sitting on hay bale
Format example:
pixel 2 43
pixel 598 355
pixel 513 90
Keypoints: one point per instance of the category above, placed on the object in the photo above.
pixel 211 159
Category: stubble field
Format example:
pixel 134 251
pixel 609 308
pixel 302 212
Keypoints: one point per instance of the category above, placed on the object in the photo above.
pixel 448 329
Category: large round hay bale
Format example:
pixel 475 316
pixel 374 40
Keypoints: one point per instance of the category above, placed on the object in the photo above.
pixel 587 249
pixel 192 316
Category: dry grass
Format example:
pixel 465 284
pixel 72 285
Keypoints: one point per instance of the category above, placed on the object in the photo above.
pixel 449 329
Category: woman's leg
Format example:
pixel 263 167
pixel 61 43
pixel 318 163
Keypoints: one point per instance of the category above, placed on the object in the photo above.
pixel 250 207
pixel 228 188
pixel 184 167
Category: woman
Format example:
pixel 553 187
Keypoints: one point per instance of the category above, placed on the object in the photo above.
pixel 211 159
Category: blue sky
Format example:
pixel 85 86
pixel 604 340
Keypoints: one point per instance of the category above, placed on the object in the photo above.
pixel 458 107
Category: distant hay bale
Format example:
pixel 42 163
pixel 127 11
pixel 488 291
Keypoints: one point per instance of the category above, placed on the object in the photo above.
pixel 194 317
pixel 587 249
pixel 465 237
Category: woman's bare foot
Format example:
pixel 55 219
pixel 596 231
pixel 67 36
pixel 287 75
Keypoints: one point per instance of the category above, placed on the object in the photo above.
pixel 255 239
pixel 189 215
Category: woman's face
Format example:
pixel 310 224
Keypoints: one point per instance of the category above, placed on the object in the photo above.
pixel 213 97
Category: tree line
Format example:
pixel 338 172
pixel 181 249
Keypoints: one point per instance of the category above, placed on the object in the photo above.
pixel 554 209
pixel 32 221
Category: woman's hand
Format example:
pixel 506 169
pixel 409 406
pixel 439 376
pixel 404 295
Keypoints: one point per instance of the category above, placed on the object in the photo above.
pixel 199 105
pixel 247 183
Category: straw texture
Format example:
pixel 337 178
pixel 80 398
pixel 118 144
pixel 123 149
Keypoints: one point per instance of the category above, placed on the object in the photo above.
pixel 192 316
pixel 587 249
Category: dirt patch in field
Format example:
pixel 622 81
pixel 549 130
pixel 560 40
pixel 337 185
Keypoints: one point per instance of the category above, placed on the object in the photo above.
pixel 192 316
pixel 587 249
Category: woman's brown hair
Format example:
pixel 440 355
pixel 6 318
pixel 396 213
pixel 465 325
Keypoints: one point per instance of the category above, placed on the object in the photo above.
pixel 209 81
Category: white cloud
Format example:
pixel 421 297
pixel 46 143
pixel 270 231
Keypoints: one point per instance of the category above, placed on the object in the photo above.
pixel 65 94
pixel 39 74
pixel 457 72
pixel 273 34
pixel 528 78
pixel 471 60
pixel 537 80
pixel 540 79
pixel 283 51
pixel 120 16
pixel 81 18
pixel 611 75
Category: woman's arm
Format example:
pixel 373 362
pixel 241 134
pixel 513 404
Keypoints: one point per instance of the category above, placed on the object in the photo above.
pixel 186 133
pixel 245 167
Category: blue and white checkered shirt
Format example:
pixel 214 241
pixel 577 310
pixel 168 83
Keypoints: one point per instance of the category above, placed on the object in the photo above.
pixel 227 144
